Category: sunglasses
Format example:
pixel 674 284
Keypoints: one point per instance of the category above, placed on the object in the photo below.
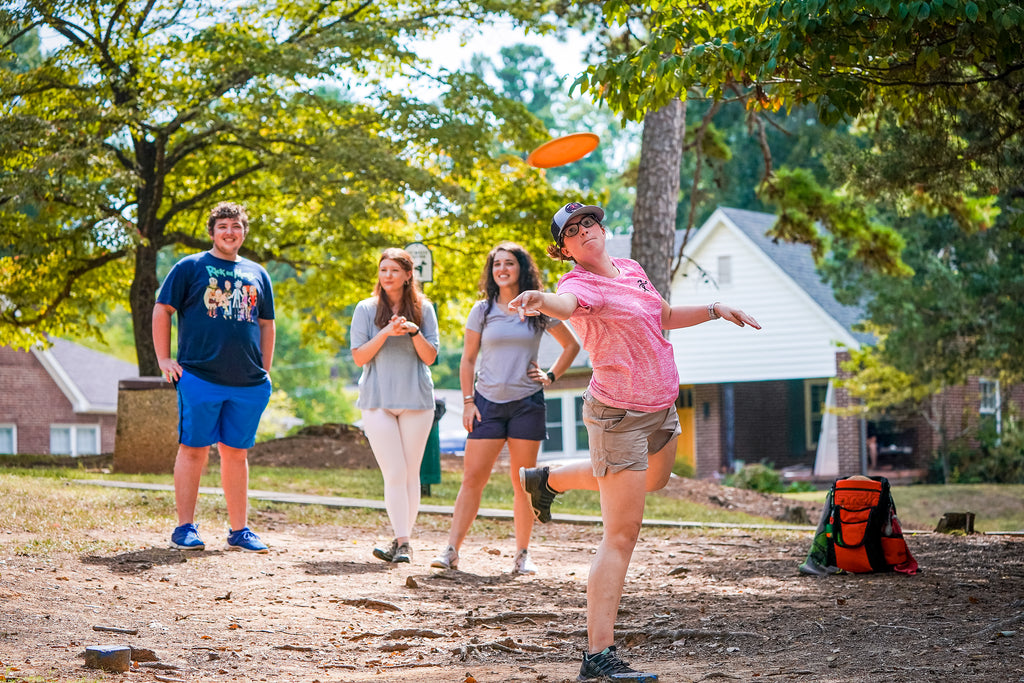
pixel 573 229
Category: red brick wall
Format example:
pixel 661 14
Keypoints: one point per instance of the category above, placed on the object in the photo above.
pixel 707 417
pixel 762 424
pixel 848 427
pixel 30 399
pixel 956 409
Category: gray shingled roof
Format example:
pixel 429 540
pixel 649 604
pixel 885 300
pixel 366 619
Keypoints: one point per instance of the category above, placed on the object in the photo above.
pixel 797 262
pixel 94 374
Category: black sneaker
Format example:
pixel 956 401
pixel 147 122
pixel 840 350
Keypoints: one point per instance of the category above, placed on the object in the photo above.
pixel 606 665
pixel 535 482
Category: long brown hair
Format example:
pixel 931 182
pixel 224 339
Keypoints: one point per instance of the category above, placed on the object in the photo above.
pixel 411 305
pixel 529 278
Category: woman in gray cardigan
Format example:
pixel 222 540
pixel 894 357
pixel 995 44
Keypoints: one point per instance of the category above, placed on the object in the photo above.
pixel 394 340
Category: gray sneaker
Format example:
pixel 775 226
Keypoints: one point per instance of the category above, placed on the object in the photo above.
pixel 403 553
pixel 449 559
pixel 386 555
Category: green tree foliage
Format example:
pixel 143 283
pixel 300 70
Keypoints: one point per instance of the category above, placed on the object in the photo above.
pixel 945 77
pixel 525 74
pixel 116 145
pixel 314 380
pixel 960 315
pixel 22 52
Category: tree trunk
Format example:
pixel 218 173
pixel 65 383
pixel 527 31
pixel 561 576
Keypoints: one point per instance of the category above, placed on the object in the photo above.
pixel 657 193
pixel 141 297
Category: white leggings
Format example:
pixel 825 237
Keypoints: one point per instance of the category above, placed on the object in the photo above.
pixel 398 438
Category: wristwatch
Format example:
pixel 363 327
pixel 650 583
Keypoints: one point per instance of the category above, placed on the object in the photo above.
pixel 551 376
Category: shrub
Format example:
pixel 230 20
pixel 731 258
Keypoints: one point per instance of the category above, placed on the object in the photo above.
pixel 765 479
pixel 997 458
pixel 757 477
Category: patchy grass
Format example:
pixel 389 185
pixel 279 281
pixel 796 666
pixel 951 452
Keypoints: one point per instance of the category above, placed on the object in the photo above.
pixel 43 511
pixel 997 507
pixel 369 484
pixel 47 512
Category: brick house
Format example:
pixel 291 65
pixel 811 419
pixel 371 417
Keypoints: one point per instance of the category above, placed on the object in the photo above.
pixel 60 400
pixel 960 411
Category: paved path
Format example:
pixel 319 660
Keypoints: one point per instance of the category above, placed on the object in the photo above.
pixel 339 502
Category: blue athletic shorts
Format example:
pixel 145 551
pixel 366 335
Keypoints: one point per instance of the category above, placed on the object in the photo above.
pixel 522 419
pixel 211 413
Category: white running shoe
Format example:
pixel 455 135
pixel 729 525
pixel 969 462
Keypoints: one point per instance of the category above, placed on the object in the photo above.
pixel 449 559
pixel 523 563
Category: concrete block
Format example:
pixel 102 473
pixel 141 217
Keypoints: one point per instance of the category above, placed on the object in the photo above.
pixel 146 441
pixel 108 657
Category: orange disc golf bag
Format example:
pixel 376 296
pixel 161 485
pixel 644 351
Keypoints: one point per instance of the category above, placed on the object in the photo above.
pixel 864 533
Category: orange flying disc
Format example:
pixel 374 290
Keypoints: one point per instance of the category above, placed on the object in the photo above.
pixel 563 150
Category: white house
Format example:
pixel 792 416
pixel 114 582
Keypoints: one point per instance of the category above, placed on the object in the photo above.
pixel 745 395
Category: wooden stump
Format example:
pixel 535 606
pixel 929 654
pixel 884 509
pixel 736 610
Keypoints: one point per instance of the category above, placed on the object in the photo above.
pixel 962 522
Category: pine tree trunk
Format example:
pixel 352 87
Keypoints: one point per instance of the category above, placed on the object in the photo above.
pixel 657 193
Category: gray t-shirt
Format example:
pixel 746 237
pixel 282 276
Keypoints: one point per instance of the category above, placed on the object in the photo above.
pixel 507 345
pixel 396 378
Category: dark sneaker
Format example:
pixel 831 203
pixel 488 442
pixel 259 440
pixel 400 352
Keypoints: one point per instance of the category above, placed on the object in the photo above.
pixel 403 553
pixel 245 539
pixel 606 666
pixel 186 537
pixel 386 555
pixel 449 559
pixel 535 482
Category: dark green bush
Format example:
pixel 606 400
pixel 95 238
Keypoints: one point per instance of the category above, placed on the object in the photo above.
pixel 996 459
pixel 765 479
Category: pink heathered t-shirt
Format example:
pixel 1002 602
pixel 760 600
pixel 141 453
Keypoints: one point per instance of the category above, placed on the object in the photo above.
pixel 619 323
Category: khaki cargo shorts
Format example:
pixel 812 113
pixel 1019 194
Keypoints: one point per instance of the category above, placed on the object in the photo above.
pixel 621 439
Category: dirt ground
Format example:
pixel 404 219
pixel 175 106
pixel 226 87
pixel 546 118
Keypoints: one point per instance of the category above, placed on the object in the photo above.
pixel 699 605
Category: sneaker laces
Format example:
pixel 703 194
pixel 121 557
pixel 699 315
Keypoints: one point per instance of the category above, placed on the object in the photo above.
pixel 448 559
pixel 608 662
pixel 242 535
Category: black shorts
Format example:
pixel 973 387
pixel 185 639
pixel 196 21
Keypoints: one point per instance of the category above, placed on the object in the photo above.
pixel 522 419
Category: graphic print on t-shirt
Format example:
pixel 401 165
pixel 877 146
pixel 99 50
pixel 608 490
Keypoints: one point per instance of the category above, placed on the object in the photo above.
pixel 228 297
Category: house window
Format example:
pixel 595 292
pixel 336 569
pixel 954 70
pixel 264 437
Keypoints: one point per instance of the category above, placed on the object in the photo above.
pixel 988 406
pixel 815 391
pixel 75 440
pixel 555 441
pixel 724 270
pixel 989 396
pixel 582 438
pixel 8 439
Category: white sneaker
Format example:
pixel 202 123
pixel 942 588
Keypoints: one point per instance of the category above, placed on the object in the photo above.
pixel 523 563
pixel 449 559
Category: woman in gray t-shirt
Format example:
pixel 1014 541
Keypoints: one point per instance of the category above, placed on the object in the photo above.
pixel 394 339
pixel 505 403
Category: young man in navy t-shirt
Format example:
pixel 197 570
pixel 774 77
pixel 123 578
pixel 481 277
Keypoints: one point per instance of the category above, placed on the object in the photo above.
pixel 225 307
